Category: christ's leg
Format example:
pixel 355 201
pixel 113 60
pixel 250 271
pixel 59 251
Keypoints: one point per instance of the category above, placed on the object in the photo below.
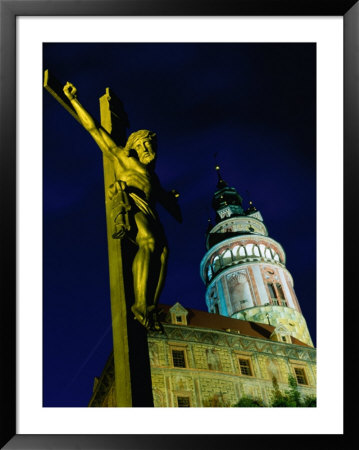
pixel 162 275
pixel 145 268
pixel 155 323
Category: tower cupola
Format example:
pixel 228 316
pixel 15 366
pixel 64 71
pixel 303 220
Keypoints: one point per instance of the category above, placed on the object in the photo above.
pixel 231 219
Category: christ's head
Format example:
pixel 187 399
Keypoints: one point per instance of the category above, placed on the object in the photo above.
pixel 144 143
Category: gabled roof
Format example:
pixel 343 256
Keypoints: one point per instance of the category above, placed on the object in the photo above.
pixel 177 308
pixel 202 319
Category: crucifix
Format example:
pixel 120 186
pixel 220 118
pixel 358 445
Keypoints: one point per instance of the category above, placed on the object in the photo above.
pixel 137 246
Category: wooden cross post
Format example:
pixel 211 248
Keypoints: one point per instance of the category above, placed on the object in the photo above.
pixel 133 384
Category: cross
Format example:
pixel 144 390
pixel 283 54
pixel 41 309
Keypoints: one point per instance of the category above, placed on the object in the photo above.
pixel 133 384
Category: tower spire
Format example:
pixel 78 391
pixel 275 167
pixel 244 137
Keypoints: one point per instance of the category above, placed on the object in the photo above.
pixel 226 200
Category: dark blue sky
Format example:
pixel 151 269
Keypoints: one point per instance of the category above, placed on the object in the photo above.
pixel 252 104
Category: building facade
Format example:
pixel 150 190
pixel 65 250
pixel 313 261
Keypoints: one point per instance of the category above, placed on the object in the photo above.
pixel 253 332
pixel 208 360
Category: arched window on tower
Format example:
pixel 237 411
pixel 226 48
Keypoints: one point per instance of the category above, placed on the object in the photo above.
pixel 227 258
pixel 216 264
pixel 235 252
pixel 262 249
pixel 249 248
pixel 276 292
pixel 242 252
pixel 256 251
pixel 272 293
pixel 281 294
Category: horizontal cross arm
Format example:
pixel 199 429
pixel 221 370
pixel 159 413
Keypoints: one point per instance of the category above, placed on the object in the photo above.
pixel 55 88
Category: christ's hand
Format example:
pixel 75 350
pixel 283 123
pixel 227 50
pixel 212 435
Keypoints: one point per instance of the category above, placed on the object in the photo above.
pixel 70 91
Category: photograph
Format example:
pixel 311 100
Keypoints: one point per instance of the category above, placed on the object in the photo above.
pixel 174 184
pixel 179 224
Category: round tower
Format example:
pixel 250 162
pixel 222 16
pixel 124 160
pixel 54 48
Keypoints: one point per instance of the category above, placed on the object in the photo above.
pixel 244 269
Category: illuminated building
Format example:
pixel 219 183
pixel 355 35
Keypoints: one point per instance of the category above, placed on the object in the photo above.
pixel 254 330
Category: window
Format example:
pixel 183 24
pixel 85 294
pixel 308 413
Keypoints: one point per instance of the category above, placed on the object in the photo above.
pixel 178 358
pixel 256 250
pixel 272 292
pixel 280 291
pixel 276 293
pixel 244 366
pixel 300 375
pixel 209 273
pixel 178 314
pixel 216 264
pixel 183 402
pixel 216 309
pixel 249 248
pixel 227 257
pixel 178 319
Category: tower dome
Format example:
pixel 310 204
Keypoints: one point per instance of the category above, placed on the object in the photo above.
pixel 244 269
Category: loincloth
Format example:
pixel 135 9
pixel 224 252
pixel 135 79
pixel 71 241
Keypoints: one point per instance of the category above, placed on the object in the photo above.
pixel 143 206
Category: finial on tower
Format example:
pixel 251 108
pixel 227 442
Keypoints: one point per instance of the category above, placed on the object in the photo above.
pixel 221 183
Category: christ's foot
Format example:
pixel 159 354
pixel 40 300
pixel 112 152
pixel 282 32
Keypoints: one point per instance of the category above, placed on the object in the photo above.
pixel 140 316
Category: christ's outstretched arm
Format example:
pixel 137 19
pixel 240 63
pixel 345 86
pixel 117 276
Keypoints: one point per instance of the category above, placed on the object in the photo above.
pixel 99 134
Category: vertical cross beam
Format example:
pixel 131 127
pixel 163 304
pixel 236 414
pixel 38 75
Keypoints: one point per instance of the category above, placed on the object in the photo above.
pixel 133 383
pixel 117 288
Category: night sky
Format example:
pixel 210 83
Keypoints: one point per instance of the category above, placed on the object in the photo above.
pixel 254 105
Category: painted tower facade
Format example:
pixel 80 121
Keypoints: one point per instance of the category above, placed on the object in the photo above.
pixel 245 272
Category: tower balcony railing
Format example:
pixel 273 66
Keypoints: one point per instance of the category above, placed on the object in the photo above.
pixel 279 302
pixel 224 261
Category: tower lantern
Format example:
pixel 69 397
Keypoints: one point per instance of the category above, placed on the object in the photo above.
pixel 245 272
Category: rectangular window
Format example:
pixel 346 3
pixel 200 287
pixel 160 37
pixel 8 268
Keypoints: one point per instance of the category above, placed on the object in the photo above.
pixel 245 367
pixel 280 291
pixel 272 292
pixel 179 319
pixel 178 358
pixel 300 375
pixel 183 402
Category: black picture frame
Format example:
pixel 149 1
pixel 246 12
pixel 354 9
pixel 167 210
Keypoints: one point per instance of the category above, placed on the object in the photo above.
pixel 9 10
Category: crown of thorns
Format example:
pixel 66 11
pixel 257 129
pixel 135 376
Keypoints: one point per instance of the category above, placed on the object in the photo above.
pixel 141 134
